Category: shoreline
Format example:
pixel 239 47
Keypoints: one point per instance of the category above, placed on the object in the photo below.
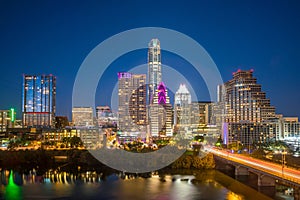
pixel 40 160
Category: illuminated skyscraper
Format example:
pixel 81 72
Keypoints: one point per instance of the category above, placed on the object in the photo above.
pixel 219 112
pixel 132 102
pixel 38 100
pixel 154 67
pixel 248 113
pixel 182 106
pixel 244 100
pixel 160 113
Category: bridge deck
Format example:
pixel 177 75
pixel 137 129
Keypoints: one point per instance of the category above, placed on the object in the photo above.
pixel 292 176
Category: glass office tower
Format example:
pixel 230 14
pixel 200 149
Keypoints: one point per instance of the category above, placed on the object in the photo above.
pixel 38 100
pixel 154 67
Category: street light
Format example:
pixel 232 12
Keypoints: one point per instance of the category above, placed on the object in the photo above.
pixel 283 160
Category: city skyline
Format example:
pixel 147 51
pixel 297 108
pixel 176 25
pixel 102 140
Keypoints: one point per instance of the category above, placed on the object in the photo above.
pixel 150 99
pixel 258 35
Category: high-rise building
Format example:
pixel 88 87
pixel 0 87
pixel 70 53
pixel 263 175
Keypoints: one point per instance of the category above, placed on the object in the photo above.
pixel 154 67
pixel 289 131
pixel 221 93
pixel 291 128
pixel 4 120
pixel 201 113
pixel 82 116
pixel 244 99
pixel 249 117
pixel 160 113
pixel 218 108
pixel 38 100
pixel 132 102
pixel 182 109
pixel 7 119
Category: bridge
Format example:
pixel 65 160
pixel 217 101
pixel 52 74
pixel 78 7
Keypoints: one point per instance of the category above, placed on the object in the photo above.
pixel 268 174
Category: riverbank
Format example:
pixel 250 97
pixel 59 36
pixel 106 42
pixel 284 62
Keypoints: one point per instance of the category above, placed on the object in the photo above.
pixel 74 159
pixel 187 161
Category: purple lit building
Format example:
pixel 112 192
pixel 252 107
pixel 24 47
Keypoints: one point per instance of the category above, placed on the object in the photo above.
pixel 160 113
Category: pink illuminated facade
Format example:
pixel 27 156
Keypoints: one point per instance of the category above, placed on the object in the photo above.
pixel 162 94
pixel 160 113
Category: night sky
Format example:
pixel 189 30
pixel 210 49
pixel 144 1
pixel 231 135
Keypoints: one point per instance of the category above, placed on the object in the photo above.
pixel 54 37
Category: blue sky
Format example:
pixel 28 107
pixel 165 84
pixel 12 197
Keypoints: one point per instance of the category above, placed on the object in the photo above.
pixel 43 37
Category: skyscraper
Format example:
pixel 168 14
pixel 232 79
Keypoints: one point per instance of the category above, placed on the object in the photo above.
pixel 201 113
pixel 182 106
pixel 132 102
pixel 248 113
pixel 154 67
pixel 219 112
pixel 160 113
pixel 244 100
pixel 38 100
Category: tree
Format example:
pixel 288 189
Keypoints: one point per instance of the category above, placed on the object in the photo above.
pixel 75 141
pixel 199 138
pixel 219 142
pixel 259 153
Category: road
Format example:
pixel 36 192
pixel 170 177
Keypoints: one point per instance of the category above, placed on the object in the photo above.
pixel 292 175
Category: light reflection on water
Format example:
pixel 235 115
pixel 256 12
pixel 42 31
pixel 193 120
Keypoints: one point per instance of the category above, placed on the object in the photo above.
pixel 90 185
pixel 12 190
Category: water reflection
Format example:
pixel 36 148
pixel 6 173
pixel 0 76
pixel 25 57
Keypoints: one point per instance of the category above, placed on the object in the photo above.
pixel 188 185
pixel 12 191
pixel 63 177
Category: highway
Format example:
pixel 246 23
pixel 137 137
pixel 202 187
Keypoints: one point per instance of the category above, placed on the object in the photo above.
pixel 277 170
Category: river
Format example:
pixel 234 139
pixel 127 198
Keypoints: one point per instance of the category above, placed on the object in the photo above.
pixel 175 185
